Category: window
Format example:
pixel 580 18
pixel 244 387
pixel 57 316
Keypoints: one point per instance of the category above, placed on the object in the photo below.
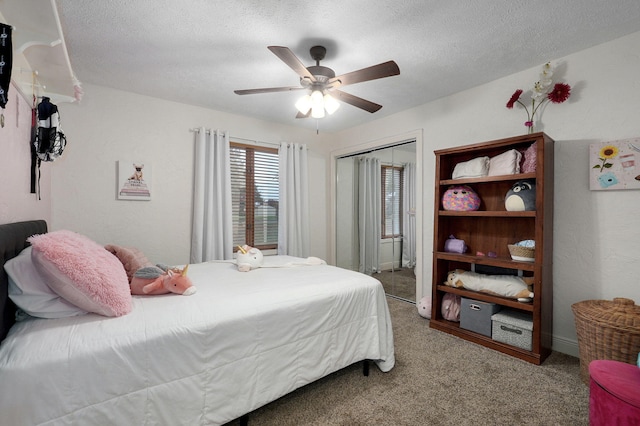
pixel 392 183
pixel 254 189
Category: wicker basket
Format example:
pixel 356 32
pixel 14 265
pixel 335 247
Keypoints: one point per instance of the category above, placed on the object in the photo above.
pixel 607 330
pixel 522 253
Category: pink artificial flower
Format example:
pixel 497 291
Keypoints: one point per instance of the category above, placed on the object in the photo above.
pixel 541 93
pixel 514 98
pixel 560 93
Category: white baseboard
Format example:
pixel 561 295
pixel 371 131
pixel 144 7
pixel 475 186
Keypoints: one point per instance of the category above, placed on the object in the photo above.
pixel 566 346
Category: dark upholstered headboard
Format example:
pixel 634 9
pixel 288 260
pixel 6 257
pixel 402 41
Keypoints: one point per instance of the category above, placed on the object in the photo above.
pixel 13 239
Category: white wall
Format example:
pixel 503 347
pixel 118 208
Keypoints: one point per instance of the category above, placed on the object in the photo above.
pixel 17 203
pixel 111 125
pixel 596 234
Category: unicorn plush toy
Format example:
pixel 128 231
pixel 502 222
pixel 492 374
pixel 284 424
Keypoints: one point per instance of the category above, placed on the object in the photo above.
pixel 248 258
pixel 160 279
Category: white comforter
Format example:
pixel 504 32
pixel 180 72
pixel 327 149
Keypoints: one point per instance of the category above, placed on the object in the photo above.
pixel 243 340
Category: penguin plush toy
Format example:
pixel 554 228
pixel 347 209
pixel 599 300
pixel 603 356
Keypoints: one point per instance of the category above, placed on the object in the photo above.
pixel 521 196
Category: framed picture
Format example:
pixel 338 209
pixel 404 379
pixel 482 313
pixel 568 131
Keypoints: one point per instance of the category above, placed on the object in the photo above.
pixel 134 180
pixel 615 165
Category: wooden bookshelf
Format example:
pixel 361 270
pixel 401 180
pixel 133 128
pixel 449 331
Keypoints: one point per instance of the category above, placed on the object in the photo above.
pixel 491 229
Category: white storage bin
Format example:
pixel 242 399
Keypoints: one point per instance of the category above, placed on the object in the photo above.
pixel 513 327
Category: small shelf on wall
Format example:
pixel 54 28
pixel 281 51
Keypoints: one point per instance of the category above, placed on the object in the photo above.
pixel 41 64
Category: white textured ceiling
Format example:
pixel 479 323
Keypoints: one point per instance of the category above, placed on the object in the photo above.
pixel 199 51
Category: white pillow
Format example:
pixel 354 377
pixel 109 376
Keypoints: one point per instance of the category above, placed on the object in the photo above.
pixel 476 167
pixel 30 293
pixel 507 163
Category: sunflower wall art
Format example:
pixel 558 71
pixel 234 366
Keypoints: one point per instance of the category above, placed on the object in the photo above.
pixel 615 165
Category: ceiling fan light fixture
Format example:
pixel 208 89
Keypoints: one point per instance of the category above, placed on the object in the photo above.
pixel 331 104
pixel 314 102
pixel 304 104
pixel 317 111
pixel 317 102
pixel 317 99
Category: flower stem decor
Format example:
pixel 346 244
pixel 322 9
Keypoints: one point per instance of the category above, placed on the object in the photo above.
pixel 543 90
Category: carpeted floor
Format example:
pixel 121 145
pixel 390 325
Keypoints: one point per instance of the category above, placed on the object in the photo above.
pixel 399 282
pixel 438 380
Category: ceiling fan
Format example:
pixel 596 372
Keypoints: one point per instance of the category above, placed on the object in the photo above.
pixel 322 85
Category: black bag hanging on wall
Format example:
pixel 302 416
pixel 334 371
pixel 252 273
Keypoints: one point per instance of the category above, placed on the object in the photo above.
pixel 48 140
pixel 32 143
pixel 6 59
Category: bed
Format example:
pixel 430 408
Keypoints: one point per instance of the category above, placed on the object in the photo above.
pixel 241 341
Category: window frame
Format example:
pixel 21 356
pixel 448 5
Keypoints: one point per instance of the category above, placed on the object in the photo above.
pixel 250 206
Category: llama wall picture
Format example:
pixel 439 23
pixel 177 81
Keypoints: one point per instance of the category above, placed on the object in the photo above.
pixel 134 180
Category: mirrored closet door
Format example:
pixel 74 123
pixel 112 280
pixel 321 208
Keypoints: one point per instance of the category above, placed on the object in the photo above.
pixel 376 216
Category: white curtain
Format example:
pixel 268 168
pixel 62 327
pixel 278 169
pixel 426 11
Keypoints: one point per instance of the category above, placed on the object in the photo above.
pixel 369 214
pixel 409 218
pixel 293 211
pixel 212 225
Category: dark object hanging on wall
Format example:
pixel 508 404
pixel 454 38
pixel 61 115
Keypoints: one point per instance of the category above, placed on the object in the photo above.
pixel 48 139
pixel 6 59
pixel 32 143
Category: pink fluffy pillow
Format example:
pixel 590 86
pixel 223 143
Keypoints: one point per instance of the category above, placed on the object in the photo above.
pixel 82 272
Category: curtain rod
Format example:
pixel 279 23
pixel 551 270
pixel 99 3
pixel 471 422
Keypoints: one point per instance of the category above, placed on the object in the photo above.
pixel 355 154
pixel 208 131
pixel 197 130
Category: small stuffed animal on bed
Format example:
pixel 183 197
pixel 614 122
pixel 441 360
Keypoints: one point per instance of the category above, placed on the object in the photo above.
pixel 500 285
pixel 160 279
pixel 248 258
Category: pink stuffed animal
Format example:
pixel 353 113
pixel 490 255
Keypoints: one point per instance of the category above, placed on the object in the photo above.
pixel 152 280
pixel 424 307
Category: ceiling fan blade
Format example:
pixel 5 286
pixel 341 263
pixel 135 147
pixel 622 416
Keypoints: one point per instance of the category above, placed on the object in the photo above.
pixel 385 69
pixel 287 56
pixel 267 90
pixel 301 115
pixel 355 101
